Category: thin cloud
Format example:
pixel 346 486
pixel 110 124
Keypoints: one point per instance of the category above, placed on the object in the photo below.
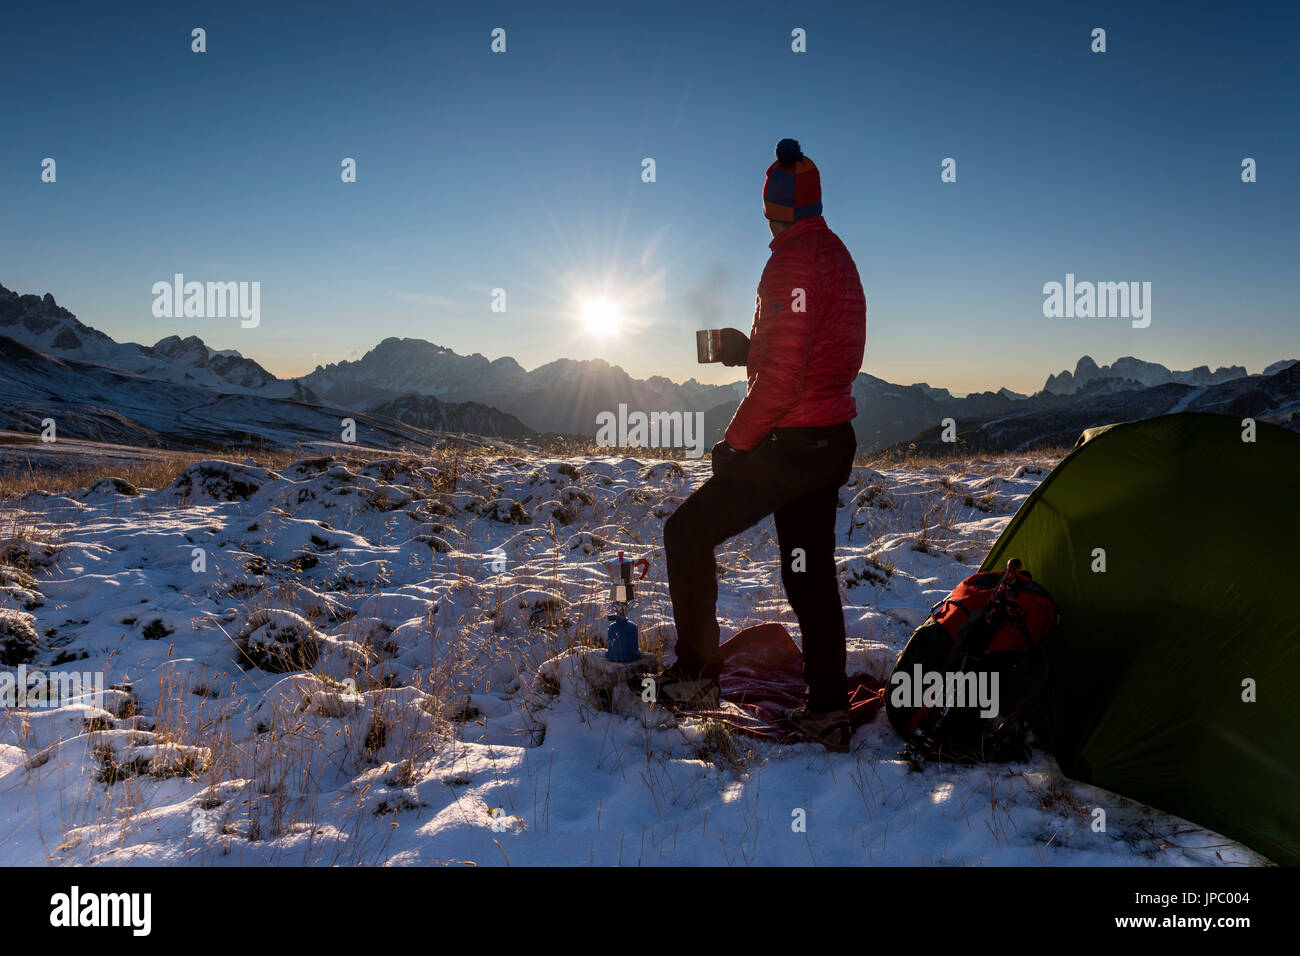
pixel 425 299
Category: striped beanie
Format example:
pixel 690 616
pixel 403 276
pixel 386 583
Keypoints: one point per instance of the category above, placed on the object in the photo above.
pixel 793 189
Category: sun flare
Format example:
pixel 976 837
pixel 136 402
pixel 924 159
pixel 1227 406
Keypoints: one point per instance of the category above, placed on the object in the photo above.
pixel 600 317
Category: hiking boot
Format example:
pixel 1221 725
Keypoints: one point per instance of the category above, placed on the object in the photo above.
pixel 831 729
pixel 678 690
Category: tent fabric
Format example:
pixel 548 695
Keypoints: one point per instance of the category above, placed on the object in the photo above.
pixel 1199 531
pixel 762 677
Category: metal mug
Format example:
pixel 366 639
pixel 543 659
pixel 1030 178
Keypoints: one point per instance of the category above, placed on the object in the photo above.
pixel 708 346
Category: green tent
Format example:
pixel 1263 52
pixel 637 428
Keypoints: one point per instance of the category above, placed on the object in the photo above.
pixel 1199 530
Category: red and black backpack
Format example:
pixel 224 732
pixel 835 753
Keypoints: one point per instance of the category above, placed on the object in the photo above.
pixel 981 649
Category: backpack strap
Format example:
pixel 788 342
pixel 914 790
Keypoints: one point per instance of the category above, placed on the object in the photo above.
pixel 1012 726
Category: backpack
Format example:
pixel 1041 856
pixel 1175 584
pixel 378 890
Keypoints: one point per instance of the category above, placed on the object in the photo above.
pixel 971 677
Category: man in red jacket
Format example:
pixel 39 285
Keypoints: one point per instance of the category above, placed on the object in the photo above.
pixel 786 453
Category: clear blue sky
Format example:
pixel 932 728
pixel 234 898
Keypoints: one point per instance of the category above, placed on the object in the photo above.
pixel 523 171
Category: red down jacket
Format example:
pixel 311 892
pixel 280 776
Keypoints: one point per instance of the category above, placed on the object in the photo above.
pixel 808 337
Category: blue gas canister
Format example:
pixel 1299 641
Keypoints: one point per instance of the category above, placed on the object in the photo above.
pixel 621 639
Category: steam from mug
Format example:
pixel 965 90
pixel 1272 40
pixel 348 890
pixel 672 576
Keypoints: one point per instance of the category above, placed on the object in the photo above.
pixel 708 346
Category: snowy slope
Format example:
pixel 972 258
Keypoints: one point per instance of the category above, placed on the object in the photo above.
pixel 446 609
pixel 91 401
pixel 42 324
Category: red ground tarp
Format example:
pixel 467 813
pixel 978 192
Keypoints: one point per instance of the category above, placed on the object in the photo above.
pixel 762 675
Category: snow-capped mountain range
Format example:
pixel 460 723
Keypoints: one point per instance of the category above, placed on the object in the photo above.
pixel 179 393
pixel 42 324
pixel 563 396
pixel 1128 372
pixel 411 388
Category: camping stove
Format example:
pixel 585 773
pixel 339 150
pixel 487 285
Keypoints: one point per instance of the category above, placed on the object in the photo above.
pixel 621 641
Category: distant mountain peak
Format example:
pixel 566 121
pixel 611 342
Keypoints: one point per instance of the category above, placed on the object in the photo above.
pixel 932 391
pixel 1128 372
pixel 227 365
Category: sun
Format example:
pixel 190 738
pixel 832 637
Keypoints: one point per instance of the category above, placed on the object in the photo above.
pixel 601 317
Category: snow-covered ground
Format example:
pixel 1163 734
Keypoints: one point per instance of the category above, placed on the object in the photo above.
pixel 387 661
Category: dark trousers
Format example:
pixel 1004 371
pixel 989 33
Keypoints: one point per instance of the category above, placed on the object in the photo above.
pixel 793 474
